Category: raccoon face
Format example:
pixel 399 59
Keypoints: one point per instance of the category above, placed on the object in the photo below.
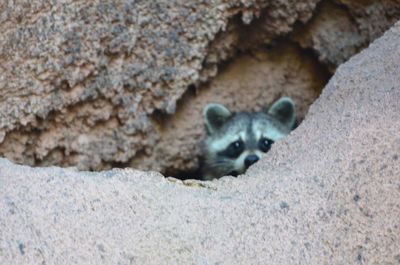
pixel 237 140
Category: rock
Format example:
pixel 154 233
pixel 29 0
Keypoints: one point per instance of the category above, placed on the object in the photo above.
pixel 341 28
pixel 96 85
pixel 327 194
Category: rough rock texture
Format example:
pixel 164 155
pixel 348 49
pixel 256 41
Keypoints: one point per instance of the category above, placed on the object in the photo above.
pixel 340 28
pixel 92 84
pixel 327 194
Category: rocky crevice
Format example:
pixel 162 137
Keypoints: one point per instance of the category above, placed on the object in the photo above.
pixel 97 85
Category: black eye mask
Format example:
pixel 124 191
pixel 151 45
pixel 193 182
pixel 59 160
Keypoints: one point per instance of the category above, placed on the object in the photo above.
pixel 265 144
pixel 233 150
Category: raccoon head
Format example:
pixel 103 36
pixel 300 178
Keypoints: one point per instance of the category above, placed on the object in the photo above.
pixel 235 141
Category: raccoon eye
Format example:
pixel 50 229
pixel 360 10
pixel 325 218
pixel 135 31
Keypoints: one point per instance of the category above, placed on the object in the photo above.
pixel 237 144
pixel 234 149
pixel 265 144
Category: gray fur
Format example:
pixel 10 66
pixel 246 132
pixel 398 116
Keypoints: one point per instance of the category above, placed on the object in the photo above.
pixel 284 111
pixel 250 128
pixel 215 115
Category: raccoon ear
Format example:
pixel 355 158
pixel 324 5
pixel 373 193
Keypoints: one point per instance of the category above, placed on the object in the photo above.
pixel 284 110
pixel 215 115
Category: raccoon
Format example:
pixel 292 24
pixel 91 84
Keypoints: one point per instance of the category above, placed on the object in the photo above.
pixel 235 141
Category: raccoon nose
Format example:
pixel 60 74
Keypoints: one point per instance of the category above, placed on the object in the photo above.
pixel 250 160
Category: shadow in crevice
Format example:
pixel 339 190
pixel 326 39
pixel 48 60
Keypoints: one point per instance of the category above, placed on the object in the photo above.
pixel 183 175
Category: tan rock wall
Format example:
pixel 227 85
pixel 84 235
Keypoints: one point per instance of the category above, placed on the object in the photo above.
pixel 339 29
pixel 96 85
pixel 329 193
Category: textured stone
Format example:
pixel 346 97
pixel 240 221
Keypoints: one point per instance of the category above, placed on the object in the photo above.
pixel 81 81
pixel 341 28
pixel 95 84
pixel 327 194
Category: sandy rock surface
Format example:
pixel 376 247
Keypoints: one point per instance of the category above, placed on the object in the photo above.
pixel 106 84
pixel 327 194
